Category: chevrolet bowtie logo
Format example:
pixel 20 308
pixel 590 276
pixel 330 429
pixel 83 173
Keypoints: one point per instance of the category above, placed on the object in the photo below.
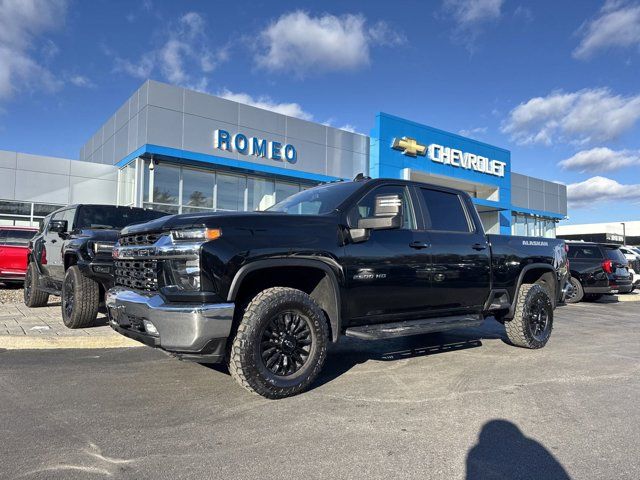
pixel 409 146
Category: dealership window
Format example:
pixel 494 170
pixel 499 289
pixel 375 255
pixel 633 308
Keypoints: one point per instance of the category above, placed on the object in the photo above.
pixel 197 188
pixel 24 214
pixel 260 193
pixel 532 226
pixel 126 184
pixel 177 189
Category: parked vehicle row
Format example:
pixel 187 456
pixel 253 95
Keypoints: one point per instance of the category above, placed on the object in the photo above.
pixel 14 244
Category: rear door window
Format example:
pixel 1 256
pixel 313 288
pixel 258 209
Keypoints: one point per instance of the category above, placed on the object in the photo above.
pixel 445 211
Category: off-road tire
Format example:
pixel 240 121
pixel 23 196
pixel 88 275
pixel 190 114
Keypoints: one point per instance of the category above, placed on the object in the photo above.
pixel 245 362
pixel 578 291
pixel 84 295
pixel 520 329
pixel 33 296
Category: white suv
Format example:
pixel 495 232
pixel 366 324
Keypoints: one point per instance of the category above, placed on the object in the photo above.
pixel 633 257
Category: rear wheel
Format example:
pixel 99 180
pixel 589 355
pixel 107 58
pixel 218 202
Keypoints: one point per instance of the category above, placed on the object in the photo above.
pixel 532 322
pixel 80 299
pixel 577 292
pixel 33 297
pixel 281 343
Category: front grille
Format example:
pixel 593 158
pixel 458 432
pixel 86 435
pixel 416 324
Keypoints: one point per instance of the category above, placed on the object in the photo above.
pixel 139 239
pixel 137 274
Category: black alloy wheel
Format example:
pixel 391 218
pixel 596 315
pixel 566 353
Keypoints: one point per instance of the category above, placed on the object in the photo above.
pixel 286 343
pixel 538 318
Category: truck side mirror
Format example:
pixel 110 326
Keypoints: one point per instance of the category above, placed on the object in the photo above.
pixel 387 214
pixel 59 226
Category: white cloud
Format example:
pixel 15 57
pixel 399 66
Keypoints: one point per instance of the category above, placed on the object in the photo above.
pixel 617 26
pixel 600 190
pixel 265 102
pixel 580 117
pixel 473 132
pixel 469 17
pixel 22 22
pixel 185 58
pixel 81 81
pixel 601 159
pixel 300 43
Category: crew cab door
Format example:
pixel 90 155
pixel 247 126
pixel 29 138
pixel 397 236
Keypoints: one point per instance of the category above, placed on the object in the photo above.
pixel 460 270
pixel 387 274
pixel 53 244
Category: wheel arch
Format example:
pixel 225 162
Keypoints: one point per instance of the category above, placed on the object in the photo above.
pixel 531 274
pixel 314 277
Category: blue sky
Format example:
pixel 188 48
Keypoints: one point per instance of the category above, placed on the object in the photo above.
pixel 557 83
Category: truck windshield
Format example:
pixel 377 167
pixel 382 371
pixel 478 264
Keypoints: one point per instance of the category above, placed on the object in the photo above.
pixel 318 200
pixel 113 218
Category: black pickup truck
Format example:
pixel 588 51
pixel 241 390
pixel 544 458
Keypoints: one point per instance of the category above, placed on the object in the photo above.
pixel 70 256
pixel 373 259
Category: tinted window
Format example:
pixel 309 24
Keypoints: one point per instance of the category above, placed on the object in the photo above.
pixel 366 207
pixel 101 216
pixel 17 238
pixel 578 252
pixel 445 211
pixel 318 200
pixel 615 254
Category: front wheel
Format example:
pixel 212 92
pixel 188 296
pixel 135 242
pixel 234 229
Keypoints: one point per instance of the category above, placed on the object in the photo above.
pixel 532 322
pixel 281 343
pixel 80 299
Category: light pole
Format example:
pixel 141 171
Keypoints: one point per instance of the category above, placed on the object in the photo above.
pixel 624 233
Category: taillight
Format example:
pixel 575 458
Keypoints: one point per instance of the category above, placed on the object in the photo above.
pixel 43 257
pixel 607 266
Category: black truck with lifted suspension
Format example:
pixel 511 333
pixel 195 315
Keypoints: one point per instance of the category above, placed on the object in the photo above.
pixel 268 291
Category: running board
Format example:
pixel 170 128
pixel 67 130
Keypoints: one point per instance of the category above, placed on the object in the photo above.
pixel 413 327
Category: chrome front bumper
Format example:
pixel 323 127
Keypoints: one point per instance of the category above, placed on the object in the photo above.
pixel 566 291
pixel 180 327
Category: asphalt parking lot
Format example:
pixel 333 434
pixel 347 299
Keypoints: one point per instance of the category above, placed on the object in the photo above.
pixel 460 405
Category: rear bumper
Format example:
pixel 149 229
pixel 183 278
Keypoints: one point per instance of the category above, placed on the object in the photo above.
pixel 12 275
pixel 187 329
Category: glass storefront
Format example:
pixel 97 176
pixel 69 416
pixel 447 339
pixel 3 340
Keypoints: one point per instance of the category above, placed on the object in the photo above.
pixel 181 189
pixel 532 226
pixel 24 214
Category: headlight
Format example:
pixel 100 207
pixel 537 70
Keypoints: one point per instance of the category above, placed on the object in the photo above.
pixel 183 273
pixel 96 247
pixel 197 234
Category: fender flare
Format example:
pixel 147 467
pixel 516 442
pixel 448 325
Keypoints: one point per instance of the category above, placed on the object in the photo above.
pixel 334 310
pixel 532 266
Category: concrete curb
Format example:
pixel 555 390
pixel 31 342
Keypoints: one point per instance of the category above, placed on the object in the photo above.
pixel 17 342
pixel 629 297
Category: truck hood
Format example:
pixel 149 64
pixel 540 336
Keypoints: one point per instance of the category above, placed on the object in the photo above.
pixel 106 235
pixel 213 220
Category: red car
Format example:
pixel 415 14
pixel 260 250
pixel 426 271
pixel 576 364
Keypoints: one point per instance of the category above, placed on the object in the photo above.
pixel 14 243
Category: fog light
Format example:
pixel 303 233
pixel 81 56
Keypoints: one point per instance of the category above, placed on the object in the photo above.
pixel 150 328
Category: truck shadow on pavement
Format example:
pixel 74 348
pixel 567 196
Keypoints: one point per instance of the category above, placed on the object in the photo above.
pixel 350 352
pixel 504 452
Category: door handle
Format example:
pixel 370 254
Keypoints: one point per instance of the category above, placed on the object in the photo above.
pixel 479 246
pixel 419 245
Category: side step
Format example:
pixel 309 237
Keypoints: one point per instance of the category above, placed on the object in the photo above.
pixel 413 327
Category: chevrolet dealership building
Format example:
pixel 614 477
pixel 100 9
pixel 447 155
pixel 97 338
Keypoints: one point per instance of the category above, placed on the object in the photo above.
pixel 182 151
